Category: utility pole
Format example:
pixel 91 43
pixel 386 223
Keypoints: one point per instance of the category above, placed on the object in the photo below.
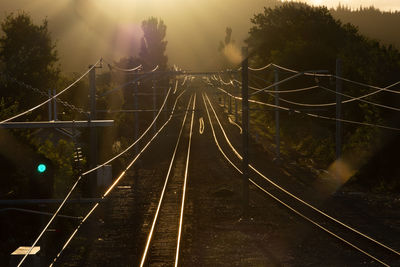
pixel 236 111
pixel 55 105
pixel 136 117
pixel 224 99
pixel 339 85
pixel 166 103
pixel 93 130
pixel 245 126
pixel 277 127
pixel 154 106
pixel 229 105
pixel 50 107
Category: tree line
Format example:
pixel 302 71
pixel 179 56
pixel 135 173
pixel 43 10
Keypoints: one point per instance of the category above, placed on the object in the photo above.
pixel 303 37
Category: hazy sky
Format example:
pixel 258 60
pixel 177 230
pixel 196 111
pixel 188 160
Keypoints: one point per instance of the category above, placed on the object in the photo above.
pixel 86 30
pixel 386 5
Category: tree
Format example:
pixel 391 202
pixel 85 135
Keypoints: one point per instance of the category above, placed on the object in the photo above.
pixel 298 35
pixel 153 44
pixel 231 55
pixel 302 37
pixel 228 39
pixel 27 54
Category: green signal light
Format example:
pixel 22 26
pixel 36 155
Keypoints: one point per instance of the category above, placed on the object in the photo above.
pixel 41 168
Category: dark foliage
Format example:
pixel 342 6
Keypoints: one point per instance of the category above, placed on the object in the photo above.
pixel 302 37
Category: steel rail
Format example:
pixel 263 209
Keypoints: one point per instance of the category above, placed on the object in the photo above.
pixel 150 235
pixel 90 171
pixel 282 202
pixel 114 184
pixel 298 198
pixel 184 186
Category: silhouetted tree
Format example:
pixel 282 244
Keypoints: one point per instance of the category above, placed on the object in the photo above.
pixel 28 54
pixel 372 22
pixel 153 44
pixel 229 53
pixel 302 37
pixel 228 39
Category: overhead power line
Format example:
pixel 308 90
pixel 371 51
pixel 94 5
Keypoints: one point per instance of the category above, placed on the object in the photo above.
pixel 280 91
pixel 351 98
pixel 113 66
pixel 144 75
pixel 312 114
pixel 51 98
pixel 386 89
pixel 262 68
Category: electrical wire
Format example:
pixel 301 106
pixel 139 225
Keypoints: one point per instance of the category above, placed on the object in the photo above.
pixel 155 68
pixel 312 114
pixel 113 66
pixel 370 86
pixel 352 99
pixel 260 69
pixel 359 99
pixel 343 79
pixel 307 73
pixel 86 173
pixel 332 91
pixel 142 76
pixel 278 83
pixel 51 98
pixel 223 82
pixel 280 91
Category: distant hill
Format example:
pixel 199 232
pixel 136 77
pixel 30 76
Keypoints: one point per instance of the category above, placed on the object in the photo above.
pixel 372 22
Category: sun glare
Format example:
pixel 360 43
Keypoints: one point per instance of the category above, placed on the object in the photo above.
pixel 317 2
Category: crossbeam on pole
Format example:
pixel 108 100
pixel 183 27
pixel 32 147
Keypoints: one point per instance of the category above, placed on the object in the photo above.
pixel 48 201
pixel 57 124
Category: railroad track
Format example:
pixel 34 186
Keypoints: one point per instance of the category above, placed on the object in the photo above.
pixel 162 246
pixel 379 253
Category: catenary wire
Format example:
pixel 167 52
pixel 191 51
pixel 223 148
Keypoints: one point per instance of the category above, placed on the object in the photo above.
pixel 114 66
pixel 262 68
pixel 142 76
pixel 341 78
pixel 332 91
pixel 312 114
pixel 351 98
pixel 50 99
pixel 280 91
